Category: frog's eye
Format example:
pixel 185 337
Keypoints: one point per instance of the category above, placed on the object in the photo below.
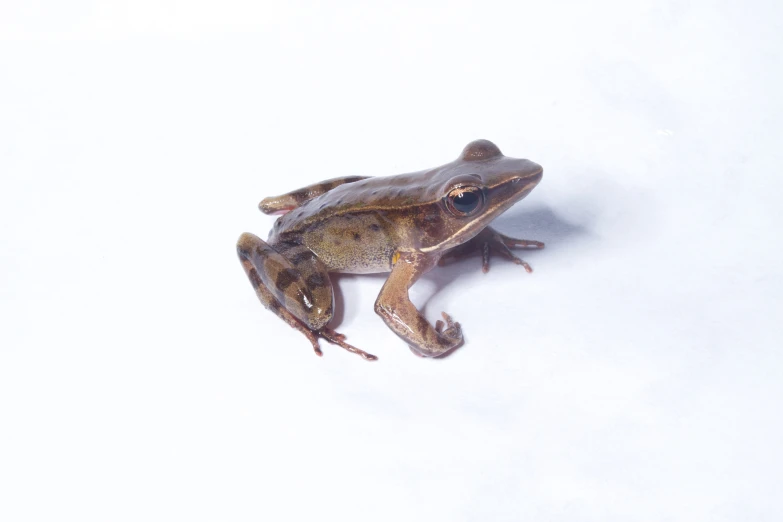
pixel 464 201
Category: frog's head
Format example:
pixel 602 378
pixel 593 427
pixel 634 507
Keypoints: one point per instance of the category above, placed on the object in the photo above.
pixel 479 186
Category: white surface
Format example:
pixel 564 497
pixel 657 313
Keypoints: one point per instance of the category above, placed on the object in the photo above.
pixel 636 375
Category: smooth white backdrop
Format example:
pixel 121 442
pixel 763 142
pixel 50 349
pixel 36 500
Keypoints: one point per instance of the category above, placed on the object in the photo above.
pixel 634 376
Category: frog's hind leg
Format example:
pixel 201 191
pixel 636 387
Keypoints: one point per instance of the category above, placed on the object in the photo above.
pixel 294 284
pixel 289 201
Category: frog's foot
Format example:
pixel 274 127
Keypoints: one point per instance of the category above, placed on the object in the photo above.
pixel 339 339
pixel 453 329
pixel 452 332
pixel 489 240
pixel 330 336
pixel 451 337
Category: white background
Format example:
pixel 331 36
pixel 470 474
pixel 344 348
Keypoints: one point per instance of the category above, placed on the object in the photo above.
pixel 635 375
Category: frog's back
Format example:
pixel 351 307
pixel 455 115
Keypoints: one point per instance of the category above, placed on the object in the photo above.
pixel 366 196
pixel 355 228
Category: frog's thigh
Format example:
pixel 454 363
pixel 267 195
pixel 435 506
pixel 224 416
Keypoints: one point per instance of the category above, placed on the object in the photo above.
pixel 292 200
pixel 293 275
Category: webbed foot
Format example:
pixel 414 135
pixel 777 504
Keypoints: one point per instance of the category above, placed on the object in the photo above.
pixel 339 339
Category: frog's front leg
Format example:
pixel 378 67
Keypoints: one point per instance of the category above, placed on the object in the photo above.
pixel 490 240
pixel 291 281
pixel 396 309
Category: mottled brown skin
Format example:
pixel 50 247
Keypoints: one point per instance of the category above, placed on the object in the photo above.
pixel 404 224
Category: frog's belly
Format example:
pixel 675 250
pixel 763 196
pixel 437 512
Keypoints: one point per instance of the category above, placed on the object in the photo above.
pixel 352 246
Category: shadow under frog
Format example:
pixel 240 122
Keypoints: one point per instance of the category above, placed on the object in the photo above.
pixel 404 225
pixel 541 221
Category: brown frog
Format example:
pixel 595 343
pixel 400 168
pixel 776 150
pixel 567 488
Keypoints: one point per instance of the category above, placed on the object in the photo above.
pixel 404 224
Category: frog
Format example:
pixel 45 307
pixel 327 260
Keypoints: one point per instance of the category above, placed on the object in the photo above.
pixel 404 225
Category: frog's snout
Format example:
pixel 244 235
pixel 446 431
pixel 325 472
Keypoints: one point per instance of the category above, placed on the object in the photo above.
pixel 528 179
pixel 536 176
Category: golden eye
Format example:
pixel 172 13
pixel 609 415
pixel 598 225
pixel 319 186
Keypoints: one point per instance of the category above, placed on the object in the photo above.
pixel 463 201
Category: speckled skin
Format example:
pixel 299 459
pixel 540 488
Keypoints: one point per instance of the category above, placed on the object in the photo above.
pixel 402 224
